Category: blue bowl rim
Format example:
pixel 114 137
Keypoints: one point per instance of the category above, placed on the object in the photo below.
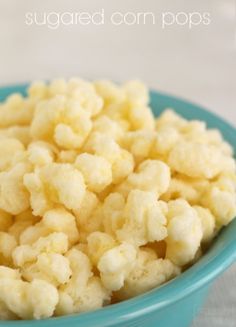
pixel 193 279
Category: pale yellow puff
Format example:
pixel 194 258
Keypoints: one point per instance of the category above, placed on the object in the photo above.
pixel 93 297
pixel 196 131
pixel 22 157
pixel 67 156
pixel 43 298
pixel 118 111
pixel 41 153
pixel 214 137
pixel 182 188
pixel 67 138
pixel 101 145
pixel 181 245
pixel 122 167
pixel 208 223
pixel 146 254
pixel 139 143
pixel 221 203
pixel 93 224
pixel 88 205
pixel 38 90
pixel 83 247
pixel 136 92
pixel 121 160
pixel 55 220
pixel 22 221
pixel 109 127
pixel 7 244
pixel 52 267
pixel 16 110
pixel 199 184
pixel 113 217
pixel 55 184
pixel 47 114
pixel 123 189
pixel 98 244
pixel 5 313
pixel 143 219
pixel 65 305
pixel 57 86
pixel 151 175
pixel 35 300
pixel 115 264
pixel 108 190
pixel 85 92
pixel 169 118
pixel 226 182
pixel 15 301
pixel 54 242
pixel 63 121
pixel 39 201
pixel 81 90
pixel 96 171
pixel 148 272
pixel 6 272
pixel 9 147
pixel 203 161
pixel 165 139
pixel 60 220
pixel 14 197
pixel 21 133
pixel 222 189
pixel 163 206
pixel 32 233
pixel 141 118
pixel 81 272
pixel 110 92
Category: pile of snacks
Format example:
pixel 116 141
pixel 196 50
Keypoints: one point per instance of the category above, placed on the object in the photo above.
pixel 100 201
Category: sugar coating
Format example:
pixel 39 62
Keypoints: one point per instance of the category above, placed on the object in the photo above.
pixel 99 200
pixel 96 170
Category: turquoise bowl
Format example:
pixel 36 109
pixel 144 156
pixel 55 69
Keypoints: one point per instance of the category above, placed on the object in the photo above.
pixel 176 303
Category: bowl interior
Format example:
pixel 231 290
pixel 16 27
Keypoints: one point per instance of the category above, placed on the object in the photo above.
pixel 220 255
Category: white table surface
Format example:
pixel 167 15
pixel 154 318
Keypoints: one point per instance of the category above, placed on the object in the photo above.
pixel 197 64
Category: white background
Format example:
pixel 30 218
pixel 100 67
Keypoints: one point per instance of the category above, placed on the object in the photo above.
pixel 197 64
